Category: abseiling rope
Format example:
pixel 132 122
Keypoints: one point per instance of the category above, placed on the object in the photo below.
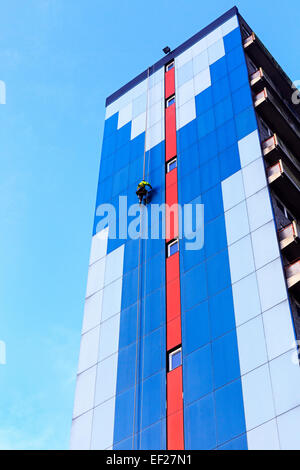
pixel 139 274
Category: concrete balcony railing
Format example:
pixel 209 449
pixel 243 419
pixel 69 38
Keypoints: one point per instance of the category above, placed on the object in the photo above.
pixel 289 240
pixel 285 184
pixel 292 272
pixel 249 41
pixel 274 113
pixel 260 79
pixel 256 77
pixel 274 149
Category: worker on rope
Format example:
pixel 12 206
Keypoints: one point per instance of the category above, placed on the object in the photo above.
pixel 142 191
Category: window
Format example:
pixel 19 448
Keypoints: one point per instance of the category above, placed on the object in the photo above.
pixel 175 359
pixel 171 165
pixel 252 64
pixel 288 215
pixel 170 101
pixel 284 210
pixel 170 66
pixel 280 206
pixel 173 247
pixel 266 130
pixel 245 31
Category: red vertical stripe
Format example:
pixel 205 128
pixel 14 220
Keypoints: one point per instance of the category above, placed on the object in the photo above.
pixel 173 299
pixel 171 178
pixel 174 333
pixel 172 267
pixel 175 431
pixel 170 125
pixel 174 390
pixel 175 436
pixel 170 83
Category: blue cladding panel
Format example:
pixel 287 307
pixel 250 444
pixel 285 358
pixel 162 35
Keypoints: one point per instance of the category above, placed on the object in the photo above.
pixel 210 174
pixel 122 157
pixel 196 327
pixel 126 368
pixel 155 273
pixel 200 424
pixel 128 326
pixel 194 289
pixel 229 412
pixel 110 125
pixel 220 90
pixel 190 258
pixel 238 77
pixel 127 444
pixel 187 136
pixel 157 177
pixel 188 160
pixel 104 192
pixel 241 99
pixel 235 58
pixel 240 443
pixel 109 145
pixel 215 236
pixel 188 191
pixel 154 345
pixel 208 147
pixel 124 415
pixel 218 273
pixel 130 289
pixel 206 123
pixel 106 168
pixel 245 123
pixel 213 203
pixel 137 147
pixel 135 171
pixel 204 101
pixel 154 399
pixel 155 317
pixel 223 111
pixel 131 257
pixel 226 135
pixel 221 313
pixel 198 374
pixel 229 162
pixel 218 70
pixel 123 135
pixel 232 40
pixel 120 181
pixel 225 359
pixel 154 437
pixel 156 157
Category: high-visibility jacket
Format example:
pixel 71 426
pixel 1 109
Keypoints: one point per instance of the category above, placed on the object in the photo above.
pixel 143 184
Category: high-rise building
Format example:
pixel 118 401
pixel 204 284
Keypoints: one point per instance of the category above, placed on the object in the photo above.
pixel 185 344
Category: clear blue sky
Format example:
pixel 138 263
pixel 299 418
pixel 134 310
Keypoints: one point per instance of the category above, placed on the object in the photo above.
pixel 60 59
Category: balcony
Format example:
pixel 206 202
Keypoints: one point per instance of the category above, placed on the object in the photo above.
pixel 260 79
pixel 289 240
pixel 262 58
pixel 272 112
pixel 257 80
pixel 286 185
pixel 292 272
pixel 274 149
